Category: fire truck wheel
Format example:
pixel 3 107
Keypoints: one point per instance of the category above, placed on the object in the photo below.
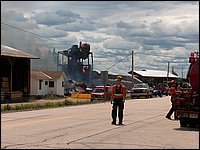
pixel 183 122
pixel 192 123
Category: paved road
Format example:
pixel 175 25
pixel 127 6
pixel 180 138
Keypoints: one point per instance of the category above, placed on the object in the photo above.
pixel 89 127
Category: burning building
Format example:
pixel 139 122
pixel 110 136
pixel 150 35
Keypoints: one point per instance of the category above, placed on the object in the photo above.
pixel 75 62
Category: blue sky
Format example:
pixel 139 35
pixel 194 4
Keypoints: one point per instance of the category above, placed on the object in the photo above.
pixel 154 30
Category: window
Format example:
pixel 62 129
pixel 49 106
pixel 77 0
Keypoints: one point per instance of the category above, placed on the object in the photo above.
pixel 51 83
pixel 40 84
pixel 46 82
pixel 63 84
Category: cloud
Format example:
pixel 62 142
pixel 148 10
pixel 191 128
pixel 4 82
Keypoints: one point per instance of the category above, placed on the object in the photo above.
pixel 113 29
pixel 56 18
pixel 14 18
pixel 51 32
pixel 118 44
pixel 81 25
pixel 12 15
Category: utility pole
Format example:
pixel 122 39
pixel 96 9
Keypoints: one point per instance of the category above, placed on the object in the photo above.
pixel 132 66
pixel 167 72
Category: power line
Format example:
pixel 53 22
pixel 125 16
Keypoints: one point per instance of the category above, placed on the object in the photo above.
pixel 32 33
pixel 154 54
pixel 117 62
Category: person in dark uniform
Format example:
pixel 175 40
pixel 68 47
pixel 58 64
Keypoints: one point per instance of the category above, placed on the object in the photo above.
pixel 118 99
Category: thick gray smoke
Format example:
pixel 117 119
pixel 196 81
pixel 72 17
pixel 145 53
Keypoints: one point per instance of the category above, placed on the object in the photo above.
pixel 44 49
pixel 33 45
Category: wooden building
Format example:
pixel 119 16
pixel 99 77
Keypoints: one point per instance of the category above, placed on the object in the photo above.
pixel 15 74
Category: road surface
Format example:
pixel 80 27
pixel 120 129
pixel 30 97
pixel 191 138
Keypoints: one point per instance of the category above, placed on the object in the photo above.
pixel 89 127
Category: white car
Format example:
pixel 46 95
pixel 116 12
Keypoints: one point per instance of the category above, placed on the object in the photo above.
pixel 141 89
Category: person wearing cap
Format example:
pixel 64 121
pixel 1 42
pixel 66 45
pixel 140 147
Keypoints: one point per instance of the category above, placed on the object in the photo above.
pixel 118 99
pixel 172 91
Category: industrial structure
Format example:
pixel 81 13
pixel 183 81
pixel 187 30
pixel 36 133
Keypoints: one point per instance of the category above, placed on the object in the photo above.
pixel 75 62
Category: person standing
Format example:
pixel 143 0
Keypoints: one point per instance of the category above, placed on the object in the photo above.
pixel 118 99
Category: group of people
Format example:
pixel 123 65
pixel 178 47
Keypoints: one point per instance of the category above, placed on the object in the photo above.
pixel 118 100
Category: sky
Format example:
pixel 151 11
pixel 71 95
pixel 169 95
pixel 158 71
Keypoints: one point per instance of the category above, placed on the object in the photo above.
pixel 157 32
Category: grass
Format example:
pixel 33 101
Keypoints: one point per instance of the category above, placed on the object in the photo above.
pixel 35 106
pixel 52 97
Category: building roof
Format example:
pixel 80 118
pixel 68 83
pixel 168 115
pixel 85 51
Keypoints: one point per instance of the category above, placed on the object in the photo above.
pixel 154 73
pixel 54 74
pixel 40 75
pixel 12 52
pixel 47 74
pixel 123 75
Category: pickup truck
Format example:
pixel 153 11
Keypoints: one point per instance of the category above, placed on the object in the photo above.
pixel 141 89
pixel 101 93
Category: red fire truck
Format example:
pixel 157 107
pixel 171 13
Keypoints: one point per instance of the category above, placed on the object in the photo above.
pixel 187 99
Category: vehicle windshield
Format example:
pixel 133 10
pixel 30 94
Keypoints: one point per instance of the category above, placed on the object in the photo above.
pixel 98 90
pixel 140 86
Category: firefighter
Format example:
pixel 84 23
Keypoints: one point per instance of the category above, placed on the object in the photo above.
pixel 118 99
pixel 172 90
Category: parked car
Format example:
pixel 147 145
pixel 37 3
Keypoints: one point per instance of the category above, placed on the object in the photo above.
pixel 99 94
pixel 141 89
pixel 68 92
pixel 157 93
pixel 89 90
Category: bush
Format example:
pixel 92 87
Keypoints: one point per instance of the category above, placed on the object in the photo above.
pixel 7 107
pixel 67 102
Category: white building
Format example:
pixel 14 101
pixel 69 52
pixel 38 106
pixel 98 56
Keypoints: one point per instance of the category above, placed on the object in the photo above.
pixel 48 82
pixel 154 76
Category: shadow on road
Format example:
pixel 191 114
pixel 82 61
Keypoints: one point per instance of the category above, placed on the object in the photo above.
pixel 187 129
